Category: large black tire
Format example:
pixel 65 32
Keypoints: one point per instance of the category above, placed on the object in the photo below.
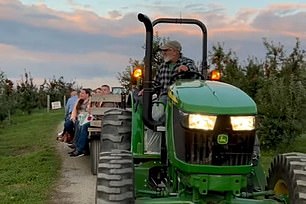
pixel 116 130
pixel 115 173
pixel 115 178
pixel 287 176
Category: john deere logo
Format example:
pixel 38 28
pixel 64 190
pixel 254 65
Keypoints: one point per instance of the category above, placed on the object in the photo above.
pixel 222 139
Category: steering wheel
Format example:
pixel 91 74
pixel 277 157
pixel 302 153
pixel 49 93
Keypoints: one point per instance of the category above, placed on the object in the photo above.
pixel 186 75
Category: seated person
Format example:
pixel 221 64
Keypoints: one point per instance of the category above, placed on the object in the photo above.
pixel 68 132
pixel 80 117
pixel 106 91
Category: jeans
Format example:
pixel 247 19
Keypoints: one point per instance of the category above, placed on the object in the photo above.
pixel 82 138
pixel 69 127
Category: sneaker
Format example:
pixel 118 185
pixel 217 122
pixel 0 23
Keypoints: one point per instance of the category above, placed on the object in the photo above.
pixel 60 133
pixel 77 154
pixel 72 152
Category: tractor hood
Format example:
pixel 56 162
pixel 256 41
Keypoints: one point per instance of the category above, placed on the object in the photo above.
pixel 211 97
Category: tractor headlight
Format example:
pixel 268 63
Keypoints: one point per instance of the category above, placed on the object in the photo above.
pixel 202 122
pixel 243 122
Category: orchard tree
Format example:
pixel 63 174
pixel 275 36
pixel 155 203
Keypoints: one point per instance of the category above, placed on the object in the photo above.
pixel 55 88
pixel 227 64
pixel 6 94
pixel 124 77
pixel 281 100
pixel 27 94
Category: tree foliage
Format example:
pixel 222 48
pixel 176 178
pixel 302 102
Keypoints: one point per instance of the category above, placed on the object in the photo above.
pixel 125 78
pixel 6 94
pixel 277 85
pixel 56 89
pixel 26 96
pixel 281 100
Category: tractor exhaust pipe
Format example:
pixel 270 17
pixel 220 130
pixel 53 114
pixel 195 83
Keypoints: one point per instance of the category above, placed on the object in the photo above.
pixel 147 83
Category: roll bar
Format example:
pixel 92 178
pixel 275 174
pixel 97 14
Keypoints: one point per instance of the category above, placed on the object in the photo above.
pixel 147 83
pixel 204 36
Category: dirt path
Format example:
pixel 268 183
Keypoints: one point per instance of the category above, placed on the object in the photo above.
pixel 77 185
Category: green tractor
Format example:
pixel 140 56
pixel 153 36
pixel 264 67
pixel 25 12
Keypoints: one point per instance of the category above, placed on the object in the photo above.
pixel 206 146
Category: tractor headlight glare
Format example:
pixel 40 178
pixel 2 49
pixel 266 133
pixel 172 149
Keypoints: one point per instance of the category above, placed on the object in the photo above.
pixel 202 122
pixel 243 122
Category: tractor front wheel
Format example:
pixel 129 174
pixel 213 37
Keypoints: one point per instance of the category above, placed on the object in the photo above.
pixel 115 172
pixel 115 183
pixel 287 177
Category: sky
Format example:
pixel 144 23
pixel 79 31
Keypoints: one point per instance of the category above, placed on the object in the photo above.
pixel 90 41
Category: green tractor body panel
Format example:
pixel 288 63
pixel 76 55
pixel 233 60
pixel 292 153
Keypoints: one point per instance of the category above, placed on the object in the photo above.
pixel 211 97
pixel 137 144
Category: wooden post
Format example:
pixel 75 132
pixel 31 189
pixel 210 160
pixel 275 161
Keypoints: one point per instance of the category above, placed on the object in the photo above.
pixel 48 103
pixel 64 101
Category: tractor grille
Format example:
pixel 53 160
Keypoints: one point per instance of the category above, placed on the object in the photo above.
pixel 201 147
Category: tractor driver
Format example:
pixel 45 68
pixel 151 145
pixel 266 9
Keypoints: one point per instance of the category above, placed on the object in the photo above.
pixel 174 62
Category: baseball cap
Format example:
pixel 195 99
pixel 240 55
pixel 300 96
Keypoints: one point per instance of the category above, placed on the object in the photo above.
pixel 172 44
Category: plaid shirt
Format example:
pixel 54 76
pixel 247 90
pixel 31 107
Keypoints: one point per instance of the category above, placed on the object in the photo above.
pixel 165 72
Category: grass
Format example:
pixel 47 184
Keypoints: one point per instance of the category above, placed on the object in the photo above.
pixel 29 163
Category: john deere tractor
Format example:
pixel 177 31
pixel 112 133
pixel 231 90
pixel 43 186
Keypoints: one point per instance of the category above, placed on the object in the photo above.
pixel 206 146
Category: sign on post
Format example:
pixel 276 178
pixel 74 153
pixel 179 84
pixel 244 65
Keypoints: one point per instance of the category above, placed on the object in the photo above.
pixel 56 105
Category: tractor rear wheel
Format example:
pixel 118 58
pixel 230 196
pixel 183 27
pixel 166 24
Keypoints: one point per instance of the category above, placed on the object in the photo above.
pixel 287 177
pixel 115 183
pixel 116 130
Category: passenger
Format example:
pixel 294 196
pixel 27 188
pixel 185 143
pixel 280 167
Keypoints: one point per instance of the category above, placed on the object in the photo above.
pixel 98 91
pixel 105 91
pixel 81 118
pixel 68 132
pixel 70 104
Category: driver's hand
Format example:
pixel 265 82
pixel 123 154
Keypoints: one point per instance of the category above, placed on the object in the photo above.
pixel 182 68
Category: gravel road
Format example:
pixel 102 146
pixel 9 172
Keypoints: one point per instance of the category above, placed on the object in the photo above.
pixel 76 185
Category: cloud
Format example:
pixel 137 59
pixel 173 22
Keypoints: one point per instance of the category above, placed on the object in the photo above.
pixel 282 19
pixel 114 14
